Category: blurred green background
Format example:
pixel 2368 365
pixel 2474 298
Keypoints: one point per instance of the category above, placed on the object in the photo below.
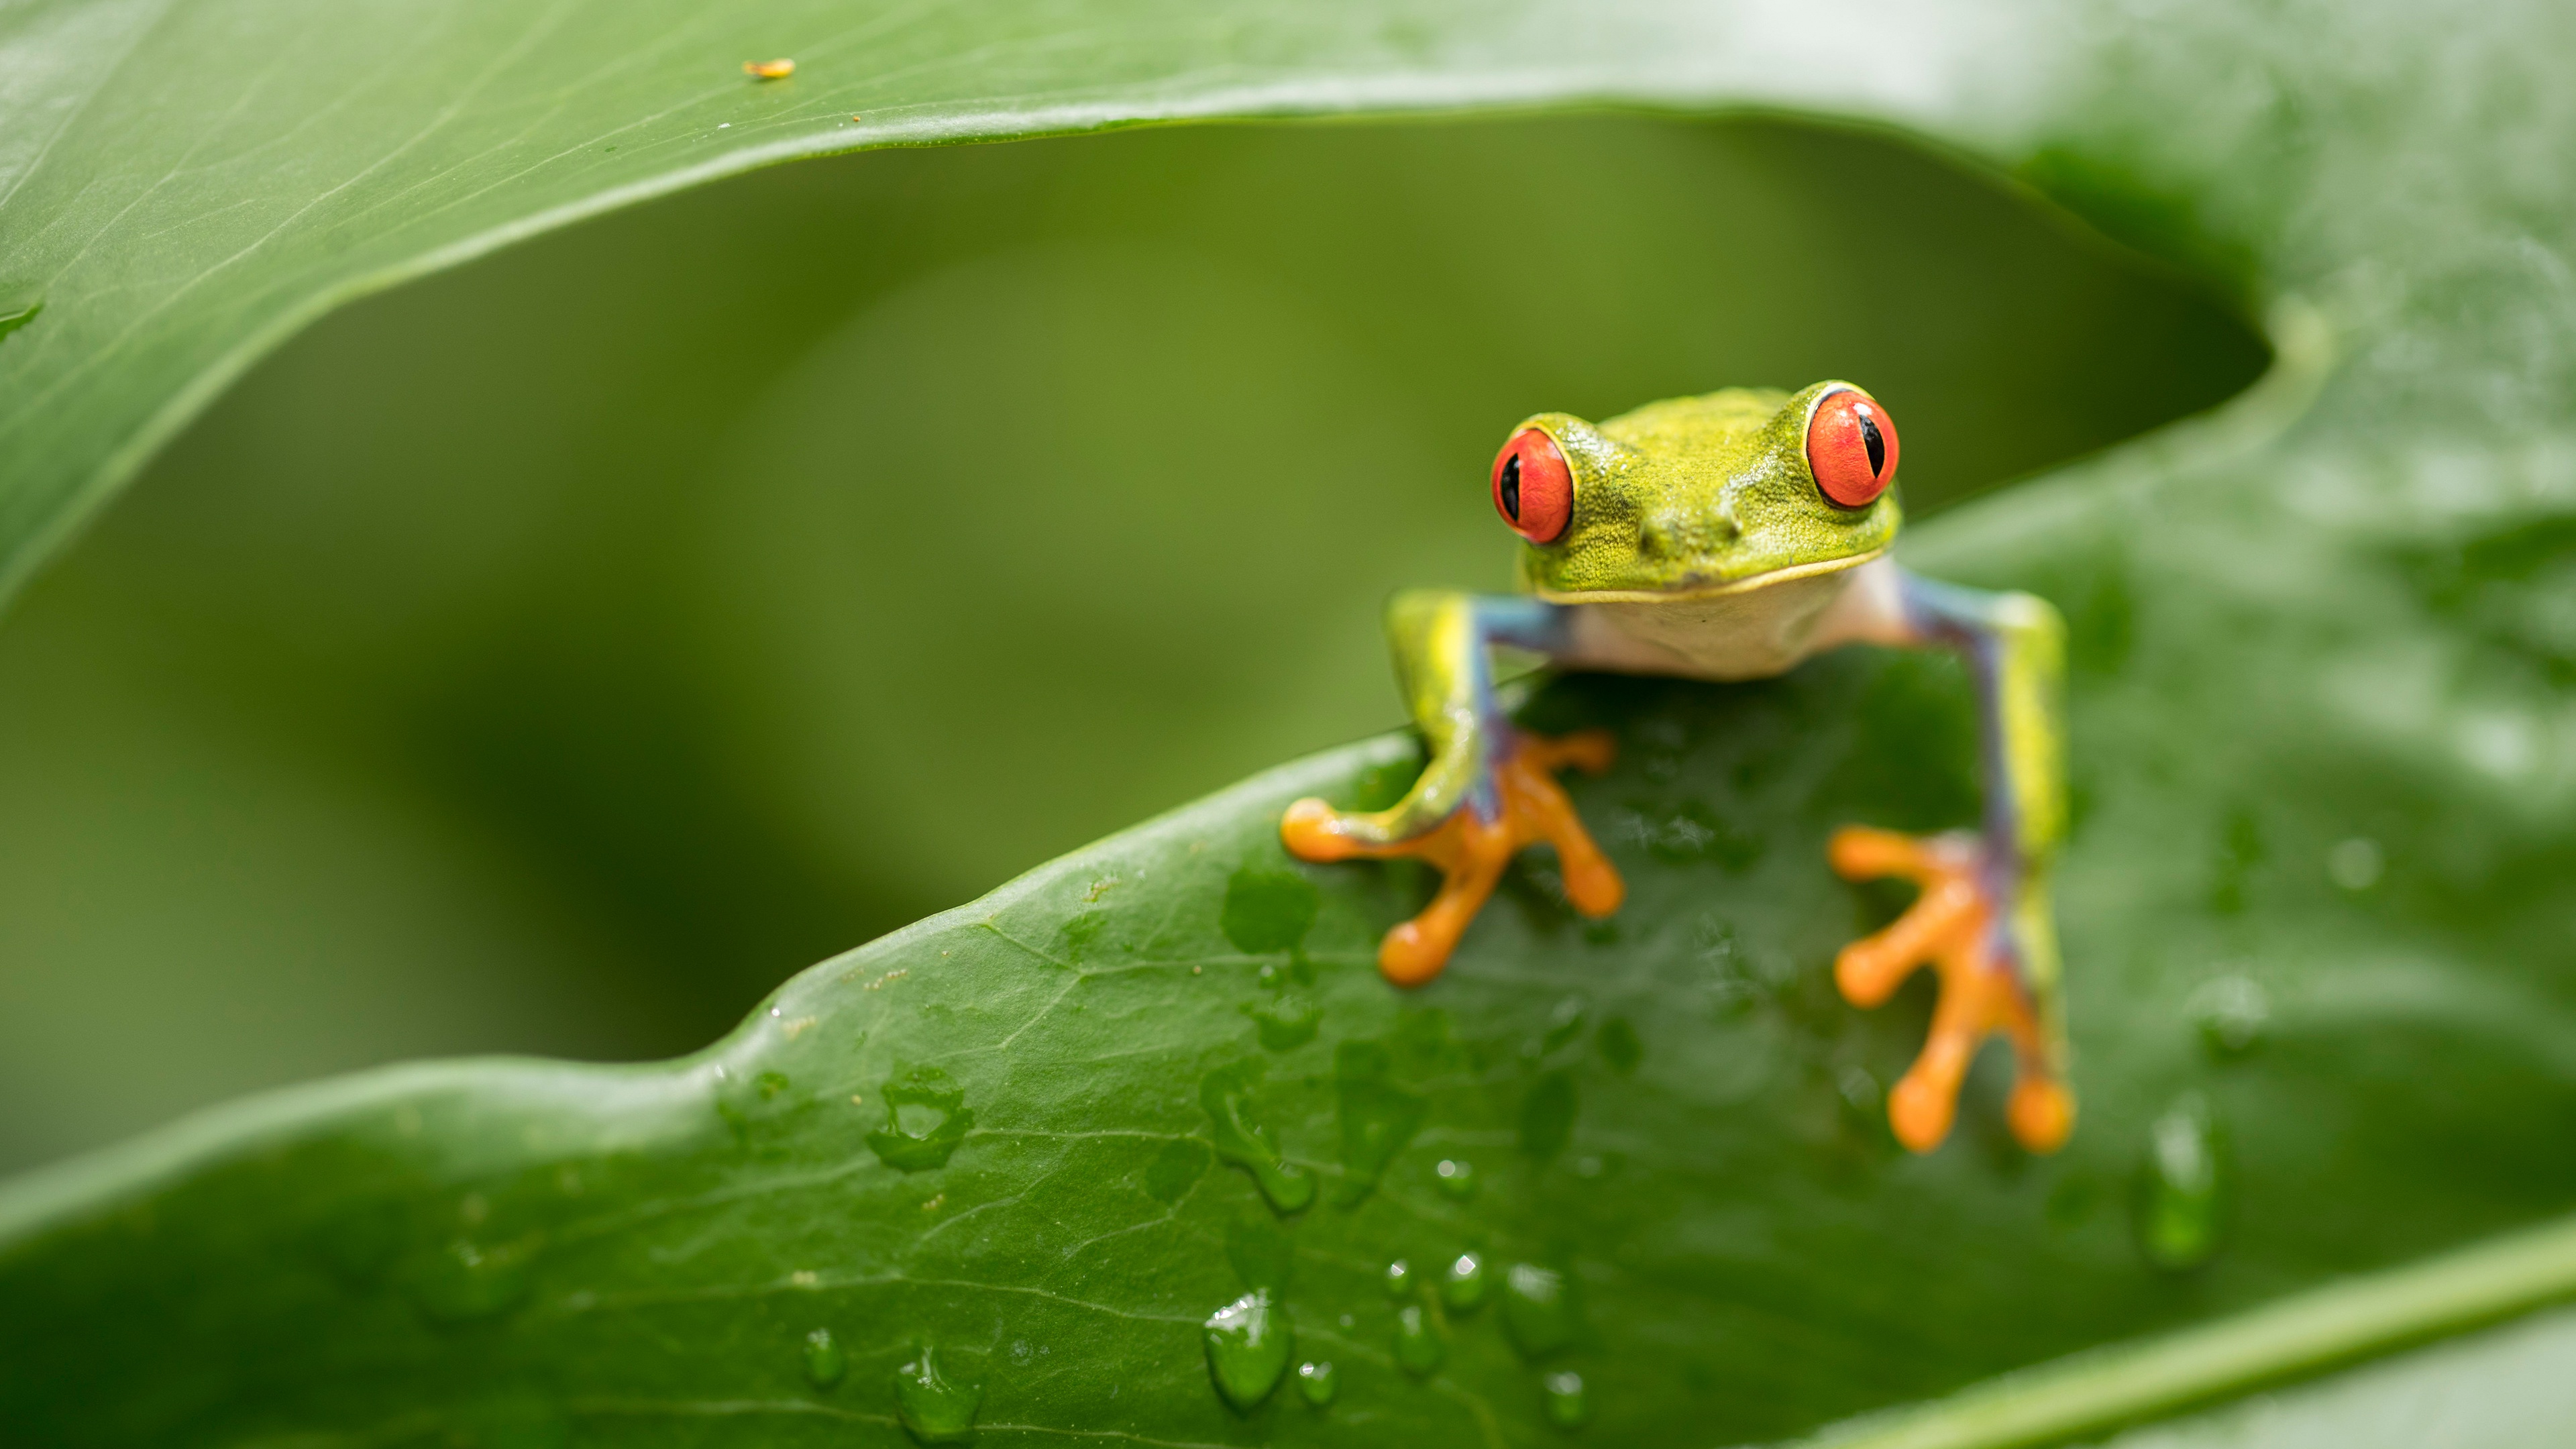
pixel 554 655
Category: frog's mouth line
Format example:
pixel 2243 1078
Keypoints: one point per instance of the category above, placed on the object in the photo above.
pixel 1710 591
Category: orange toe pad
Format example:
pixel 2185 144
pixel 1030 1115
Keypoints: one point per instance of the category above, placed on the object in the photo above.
pixel 1471 852
pixel 1947 929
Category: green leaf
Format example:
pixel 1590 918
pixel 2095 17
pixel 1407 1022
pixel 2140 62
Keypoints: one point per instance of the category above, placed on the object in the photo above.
pixel 1006 1159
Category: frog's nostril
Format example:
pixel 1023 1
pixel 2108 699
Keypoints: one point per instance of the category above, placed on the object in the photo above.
pixel 1682 535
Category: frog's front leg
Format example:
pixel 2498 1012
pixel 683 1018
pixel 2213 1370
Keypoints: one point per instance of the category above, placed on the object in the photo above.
pixel 1983 920
pixel 1489 789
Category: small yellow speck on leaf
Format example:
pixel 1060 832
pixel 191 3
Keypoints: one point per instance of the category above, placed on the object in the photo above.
pixel 796 1026
pixel 779 69
pixel 805 1278
pixel 857 1101
pixel 932 1206
pixel 1195 970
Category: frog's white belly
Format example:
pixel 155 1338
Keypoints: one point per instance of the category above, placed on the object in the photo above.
pixel 1742 633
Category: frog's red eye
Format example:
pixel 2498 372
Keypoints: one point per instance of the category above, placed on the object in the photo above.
pixel 1533 490
pixel 1851 448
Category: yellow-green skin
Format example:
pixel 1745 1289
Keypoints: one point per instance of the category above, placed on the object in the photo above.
pixel 1694 493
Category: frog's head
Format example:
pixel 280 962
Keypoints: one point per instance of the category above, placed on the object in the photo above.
pixel 1700 495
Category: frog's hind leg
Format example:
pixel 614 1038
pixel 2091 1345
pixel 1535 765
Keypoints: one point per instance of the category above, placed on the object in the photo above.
pixel 1488 791
pixel 1983 921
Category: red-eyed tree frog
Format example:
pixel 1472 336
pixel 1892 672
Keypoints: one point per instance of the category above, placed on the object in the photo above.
pixel 1729 537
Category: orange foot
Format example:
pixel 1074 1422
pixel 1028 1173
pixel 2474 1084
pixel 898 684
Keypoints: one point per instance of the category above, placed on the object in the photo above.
pixel 1946 927
pixel 1471 853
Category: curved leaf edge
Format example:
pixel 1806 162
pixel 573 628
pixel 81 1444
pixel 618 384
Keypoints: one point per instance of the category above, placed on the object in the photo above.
pixel 634 1101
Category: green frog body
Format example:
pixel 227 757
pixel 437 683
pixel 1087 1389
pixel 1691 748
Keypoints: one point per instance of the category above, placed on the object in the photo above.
pixel 1728 537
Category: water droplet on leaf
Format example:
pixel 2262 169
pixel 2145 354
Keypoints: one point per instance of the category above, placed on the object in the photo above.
pixel 826 1362
pixel 1248 1347
pixel 1287 1022
pixel 926 1117
pixel 1538 1310
pixel 936 1409
pixel 1421 1345
pixel 1243 1140
pixel 2230 1013
pixel 1566 1407
pixel 1457 1178
pixel 1399 1279
pixel 2182 1185
pixel 1463 1287
pixel 1318 1382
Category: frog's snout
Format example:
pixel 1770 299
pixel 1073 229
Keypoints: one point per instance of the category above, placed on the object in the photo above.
pixel 1677 534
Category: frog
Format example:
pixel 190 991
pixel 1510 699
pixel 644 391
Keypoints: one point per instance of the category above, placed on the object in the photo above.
pixel 1732 536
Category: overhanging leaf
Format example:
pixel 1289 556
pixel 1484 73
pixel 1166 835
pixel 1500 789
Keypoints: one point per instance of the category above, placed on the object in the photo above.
pixel 184 183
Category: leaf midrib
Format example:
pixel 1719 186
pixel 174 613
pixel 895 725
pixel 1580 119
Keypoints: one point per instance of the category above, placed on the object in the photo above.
pixel 2127 1383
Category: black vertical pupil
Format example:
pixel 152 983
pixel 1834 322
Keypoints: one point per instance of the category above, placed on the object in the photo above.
pixel 1512 485
pixel 1870 439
